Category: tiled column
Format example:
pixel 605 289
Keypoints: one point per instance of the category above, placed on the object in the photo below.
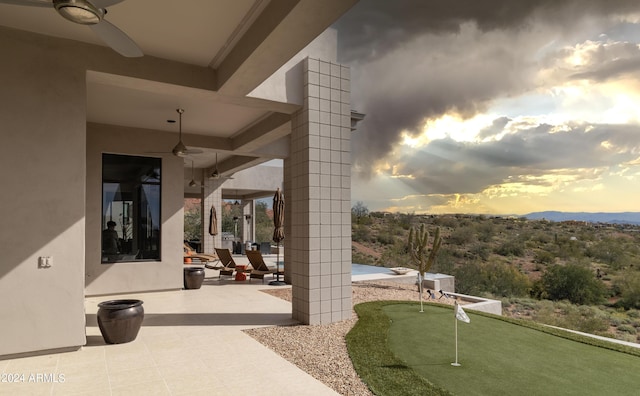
pixel 318 191
pixel 212 196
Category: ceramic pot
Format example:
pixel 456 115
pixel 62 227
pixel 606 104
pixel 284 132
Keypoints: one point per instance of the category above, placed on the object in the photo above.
pixel 193 277
pixel 120 320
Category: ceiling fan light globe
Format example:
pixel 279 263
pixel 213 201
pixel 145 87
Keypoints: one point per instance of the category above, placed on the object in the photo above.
pixel 79 11
pixel 180 150
pixel 192 183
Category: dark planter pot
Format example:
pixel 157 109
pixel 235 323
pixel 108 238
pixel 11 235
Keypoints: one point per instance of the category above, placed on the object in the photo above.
pixel 120 320
pixel 193 277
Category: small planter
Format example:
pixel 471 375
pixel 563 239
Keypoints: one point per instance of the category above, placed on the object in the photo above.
pixel 120 320
pixel 193 277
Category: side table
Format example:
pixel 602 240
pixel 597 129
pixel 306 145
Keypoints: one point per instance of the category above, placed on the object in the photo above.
pixel 240 275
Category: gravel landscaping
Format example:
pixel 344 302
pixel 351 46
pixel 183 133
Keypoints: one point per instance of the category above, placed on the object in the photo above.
pixel 320 350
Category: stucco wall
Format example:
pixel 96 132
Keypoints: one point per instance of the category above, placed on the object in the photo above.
pixel 287 84
pixel 42 199
pixel 43 194
pixel 135 276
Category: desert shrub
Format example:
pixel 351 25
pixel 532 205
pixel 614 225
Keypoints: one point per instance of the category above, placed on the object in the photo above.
pixel 485 231
pixel 609 251
pixel 360 233
pixel 445 261
pixel 361 258
pixel 497 278
pixel 461 236
pixel 504 279
pixel 469 278
pixel 615 321
pixel 627 329
pixel 574 283
pixel 584 318
pixel 563 314
pixel 570 249
pixel 628 286
pixel 446 221
pixel 396 255
pixel 511 248
pixel 542 237
pixel 537 290
pixel 405 220
pixel 480 250
pixel 385 238
pixel 544 257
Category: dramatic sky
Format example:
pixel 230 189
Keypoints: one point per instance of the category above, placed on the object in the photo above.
pixel 495 106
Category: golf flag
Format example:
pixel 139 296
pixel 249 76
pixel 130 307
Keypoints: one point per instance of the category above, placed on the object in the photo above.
pixel 461 315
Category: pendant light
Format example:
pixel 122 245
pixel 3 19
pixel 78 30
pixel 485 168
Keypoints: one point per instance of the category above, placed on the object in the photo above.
pixel 192 183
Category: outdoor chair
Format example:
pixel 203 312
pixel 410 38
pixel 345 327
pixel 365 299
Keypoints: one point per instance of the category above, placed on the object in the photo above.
pixel 204 258
pixel 228 264
pixel 260 268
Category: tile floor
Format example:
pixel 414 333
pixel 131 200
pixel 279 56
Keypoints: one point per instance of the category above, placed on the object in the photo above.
pixel 191 343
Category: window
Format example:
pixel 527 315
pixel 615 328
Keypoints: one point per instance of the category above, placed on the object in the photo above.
pixel 130 208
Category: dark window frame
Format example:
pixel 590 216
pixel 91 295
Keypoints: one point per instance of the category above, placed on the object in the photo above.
pixel 132 199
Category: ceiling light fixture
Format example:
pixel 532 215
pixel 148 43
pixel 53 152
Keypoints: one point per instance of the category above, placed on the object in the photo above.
pixel 215 174
pixel 192 183
pixel 79 11
pixel 180 149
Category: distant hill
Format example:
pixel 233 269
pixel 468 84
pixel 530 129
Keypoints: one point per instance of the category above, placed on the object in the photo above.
pixel 600 217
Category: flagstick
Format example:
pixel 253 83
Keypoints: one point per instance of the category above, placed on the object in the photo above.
pixel 420 290
pixel 455 320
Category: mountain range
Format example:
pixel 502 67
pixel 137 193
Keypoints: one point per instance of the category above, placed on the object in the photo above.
pixel 600 217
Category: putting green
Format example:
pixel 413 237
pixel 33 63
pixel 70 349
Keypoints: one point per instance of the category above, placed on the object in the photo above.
pixel 501 358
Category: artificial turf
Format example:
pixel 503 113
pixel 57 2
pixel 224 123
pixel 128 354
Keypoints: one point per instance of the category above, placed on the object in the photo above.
pixel 497 357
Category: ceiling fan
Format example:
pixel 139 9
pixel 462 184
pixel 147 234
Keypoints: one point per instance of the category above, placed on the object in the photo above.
pixel 215 174
pixel 91 13
pixel 179 150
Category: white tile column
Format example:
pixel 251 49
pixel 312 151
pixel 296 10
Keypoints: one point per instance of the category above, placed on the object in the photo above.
pixel 318 195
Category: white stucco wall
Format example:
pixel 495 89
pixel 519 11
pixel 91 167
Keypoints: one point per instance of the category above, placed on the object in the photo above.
pixel 261 177
pixel 287 84
pixel 44 194
pixel 134 276
pixel 42 199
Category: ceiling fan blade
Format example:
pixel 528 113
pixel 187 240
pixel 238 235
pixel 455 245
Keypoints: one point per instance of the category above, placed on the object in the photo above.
pixel 116 39
pixel 29 3
pixel 105 3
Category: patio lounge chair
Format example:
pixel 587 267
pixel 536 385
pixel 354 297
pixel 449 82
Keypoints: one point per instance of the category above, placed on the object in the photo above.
pixel 228 265
pixel 204 258
pixel 260 268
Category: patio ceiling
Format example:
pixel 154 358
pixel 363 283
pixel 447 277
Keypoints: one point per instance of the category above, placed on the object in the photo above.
pixel 239 43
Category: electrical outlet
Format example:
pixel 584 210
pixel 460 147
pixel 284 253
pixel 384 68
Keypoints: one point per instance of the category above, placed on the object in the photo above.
pixel 45 261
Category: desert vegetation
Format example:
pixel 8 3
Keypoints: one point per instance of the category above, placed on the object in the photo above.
pixel 583 276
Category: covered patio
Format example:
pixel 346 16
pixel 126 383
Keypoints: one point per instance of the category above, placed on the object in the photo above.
pixel 191 342
pixel 258 80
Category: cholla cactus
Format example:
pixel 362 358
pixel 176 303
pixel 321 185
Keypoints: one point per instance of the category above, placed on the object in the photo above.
pixel 422 257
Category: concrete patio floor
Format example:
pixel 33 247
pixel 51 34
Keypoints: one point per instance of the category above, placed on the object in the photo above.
pixel 191 342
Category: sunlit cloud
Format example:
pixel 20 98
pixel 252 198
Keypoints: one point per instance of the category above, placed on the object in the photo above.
pixel 497 118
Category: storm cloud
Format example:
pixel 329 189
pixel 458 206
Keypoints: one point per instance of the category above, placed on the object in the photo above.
pixel 417 60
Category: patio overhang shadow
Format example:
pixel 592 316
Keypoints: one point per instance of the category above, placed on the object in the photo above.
pixel 210 319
